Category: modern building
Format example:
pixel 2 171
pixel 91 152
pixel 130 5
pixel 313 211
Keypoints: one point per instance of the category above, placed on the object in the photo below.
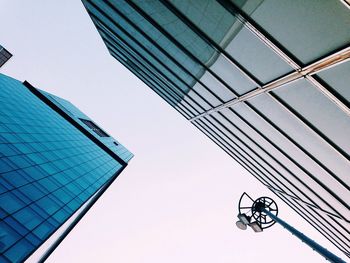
pixel 4 56
pixel 266 80
pixel 54 163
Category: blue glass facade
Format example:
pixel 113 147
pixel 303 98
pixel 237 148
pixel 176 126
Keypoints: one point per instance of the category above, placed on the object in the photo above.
pixel 50 165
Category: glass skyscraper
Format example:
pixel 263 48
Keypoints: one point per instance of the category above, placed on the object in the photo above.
pixel 54 160
pixel 266 80
pixel 4 55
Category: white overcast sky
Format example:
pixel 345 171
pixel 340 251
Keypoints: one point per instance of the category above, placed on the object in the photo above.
pixel 177 199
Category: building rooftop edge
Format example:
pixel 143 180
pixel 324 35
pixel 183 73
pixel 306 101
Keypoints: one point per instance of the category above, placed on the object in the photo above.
pixel 68 118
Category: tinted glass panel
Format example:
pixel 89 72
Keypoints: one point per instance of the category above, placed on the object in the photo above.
pixel 308 142
pixel 232 76
pixel 296 25
pixel 229 33
pixel 293 183
pixel 45 163
pixel 338 78
pixel 321 112
pixel 246 162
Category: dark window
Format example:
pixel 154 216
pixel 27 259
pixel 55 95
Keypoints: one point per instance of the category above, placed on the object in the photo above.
pixel 4 56
pixel 94 127
pixel 116 144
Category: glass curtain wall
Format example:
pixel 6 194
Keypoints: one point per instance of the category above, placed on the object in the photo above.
pixel 266 80
pixel 48 170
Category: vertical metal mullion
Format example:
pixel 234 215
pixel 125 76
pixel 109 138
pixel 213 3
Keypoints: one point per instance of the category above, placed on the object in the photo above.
pixel 251 26
pixel 147 51
pixel 206 38
pixel 310 127
pixel 279 149
pixel 160 92
pixel 278 162
pixel 156 70
pixel 307 72
pixel 236 156
pixel 166 53
pixel 162 89
pixel 277 48
pixel 284 134
pixel 130 55
pixel 178 44
pixel 244 151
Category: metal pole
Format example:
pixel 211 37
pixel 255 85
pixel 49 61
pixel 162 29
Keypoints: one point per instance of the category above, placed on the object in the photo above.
pixel 321 250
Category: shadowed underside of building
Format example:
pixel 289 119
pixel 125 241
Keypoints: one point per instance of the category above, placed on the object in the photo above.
pixel 266 80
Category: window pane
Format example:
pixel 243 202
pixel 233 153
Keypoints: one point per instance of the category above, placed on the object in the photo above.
pixel 175 27
pixel 192 42
pixel 289 178
pixel 216 87
pixel 28 218
pixel 312 143
pixel 229 33
pixel 240 147
pixel 232 76
pixel 338 78
pixel 242 158
pixel 205 94
pixel 209 16
pixel 308 101
pixel 256 57
pixel 9 236
pixel 302 141
pixel 298 25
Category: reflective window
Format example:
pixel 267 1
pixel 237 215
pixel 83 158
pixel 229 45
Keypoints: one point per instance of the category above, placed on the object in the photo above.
pixel 190 41
pixel 306 140
pixel 45 165
pixel 293 183
pixel 297 25
pixel 256 57
pixel 309 102
pixel 244 162
pixel 216 86
pixel 338 78
pixel 229 33
pixel 232 76
pixel 279 158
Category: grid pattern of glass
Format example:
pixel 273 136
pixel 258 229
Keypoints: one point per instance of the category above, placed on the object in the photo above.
pixel 77 115
pixel 4 55
pixel 266 80
pixel 48 169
